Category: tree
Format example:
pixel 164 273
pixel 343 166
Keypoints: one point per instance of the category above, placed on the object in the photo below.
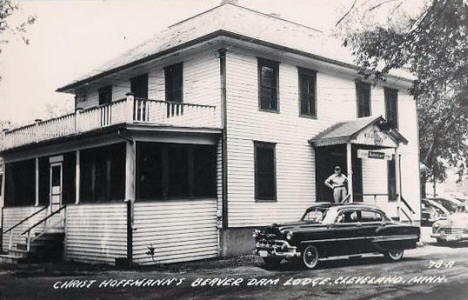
pixel 7 8
pixel 432 45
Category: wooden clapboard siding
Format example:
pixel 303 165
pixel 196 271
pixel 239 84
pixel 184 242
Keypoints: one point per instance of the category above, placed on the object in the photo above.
pixel 200 81
pixel 295 158
pixel 13 215
pixel 180 230
pixel 96 233
pixel 219 176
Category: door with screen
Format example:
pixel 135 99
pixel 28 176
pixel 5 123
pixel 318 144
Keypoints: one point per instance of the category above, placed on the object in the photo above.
pixel 56 184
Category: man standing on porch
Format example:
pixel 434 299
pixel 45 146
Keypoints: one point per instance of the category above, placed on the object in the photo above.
pixel 337 182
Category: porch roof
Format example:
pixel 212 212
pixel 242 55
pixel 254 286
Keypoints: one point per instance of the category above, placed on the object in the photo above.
pixel 349 132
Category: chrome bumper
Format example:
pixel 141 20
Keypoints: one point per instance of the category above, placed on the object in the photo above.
pixel 449 237
pixel 276 248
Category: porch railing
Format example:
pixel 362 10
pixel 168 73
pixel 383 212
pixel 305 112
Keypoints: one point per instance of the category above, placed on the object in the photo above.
pixel 130 110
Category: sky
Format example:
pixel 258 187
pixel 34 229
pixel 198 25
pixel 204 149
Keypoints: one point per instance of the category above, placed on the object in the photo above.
pixel 72 37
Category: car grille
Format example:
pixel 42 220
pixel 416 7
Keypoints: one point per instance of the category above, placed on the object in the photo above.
pixel 268 244
pixel 453 230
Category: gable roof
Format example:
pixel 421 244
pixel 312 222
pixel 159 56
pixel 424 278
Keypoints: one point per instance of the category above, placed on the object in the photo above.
pixel 227 19
pixel 343 132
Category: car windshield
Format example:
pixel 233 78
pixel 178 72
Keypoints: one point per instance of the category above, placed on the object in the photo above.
pixel 315 214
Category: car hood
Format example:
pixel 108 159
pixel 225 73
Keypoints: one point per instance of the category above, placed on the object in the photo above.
pixel 458 219
pixel 278 230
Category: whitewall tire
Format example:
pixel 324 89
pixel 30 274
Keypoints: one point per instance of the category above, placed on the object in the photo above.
pixel 394 255
pixel 310 257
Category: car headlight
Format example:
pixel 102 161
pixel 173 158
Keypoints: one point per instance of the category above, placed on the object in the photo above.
pixel 436 225
pixel 289 235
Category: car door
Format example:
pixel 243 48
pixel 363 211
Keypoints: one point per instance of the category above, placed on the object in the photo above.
pixel 348 233
pixel 371 221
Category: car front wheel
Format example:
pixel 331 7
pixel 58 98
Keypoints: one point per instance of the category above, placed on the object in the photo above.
pixel 310 257
pixel 394 255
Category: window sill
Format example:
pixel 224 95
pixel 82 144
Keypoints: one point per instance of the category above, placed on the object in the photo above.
pixel 266 200
pixel 305 116
pixel 269 110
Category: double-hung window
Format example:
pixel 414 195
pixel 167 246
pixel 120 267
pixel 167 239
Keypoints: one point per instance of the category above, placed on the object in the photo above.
pixel 173 76
pixel 105 95
pixel 265 171
pixel 268 85
pixel 363 99
pixel 307 93
pixel 391 107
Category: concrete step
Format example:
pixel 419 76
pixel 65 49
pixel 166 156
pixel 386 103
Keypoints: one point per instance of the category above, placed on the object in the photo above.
pixel 8 259
pixel 18 253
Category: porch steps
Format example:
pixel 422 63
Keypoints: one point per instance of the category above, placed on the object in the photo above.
pixel 47 247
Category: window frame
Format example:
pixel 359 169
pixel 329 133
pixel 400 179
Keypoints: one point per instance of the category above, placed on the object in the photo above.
pixel 387 93
pixel 166 83
pixel 360 85
pixel 102 91
pixel 392 171
pixel 313 74
pixel 138 79
pixel 260 144
pixel 275 66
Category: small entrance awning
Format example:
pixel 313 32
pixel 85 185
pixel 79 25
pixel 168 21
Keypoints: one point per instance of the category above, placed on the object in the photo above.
pixel 371 131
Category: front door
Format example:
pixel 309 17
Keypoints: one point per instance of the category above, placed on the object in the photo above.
pixel 56 184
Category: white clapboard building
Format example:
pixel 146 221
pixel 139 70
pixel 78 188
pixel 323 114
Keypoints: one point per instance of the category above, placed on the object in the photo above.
pixel 223 122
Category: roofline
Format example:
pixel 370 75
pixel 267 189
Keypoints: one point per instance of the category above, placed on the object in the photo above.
pixel 210 36
pixel 246 8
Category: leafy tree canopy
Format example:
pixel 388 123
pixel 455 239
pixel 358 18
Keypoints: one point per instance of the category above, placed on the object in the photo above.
pixel 430 41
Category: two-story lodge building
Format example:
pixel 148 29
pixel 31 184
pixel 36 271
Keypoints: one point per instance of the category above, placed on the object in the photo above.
pixel 177 149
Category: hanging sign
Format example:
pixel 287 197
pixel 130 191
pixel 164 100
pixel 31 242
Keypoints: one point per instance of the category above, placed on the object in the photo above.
pixel 371 154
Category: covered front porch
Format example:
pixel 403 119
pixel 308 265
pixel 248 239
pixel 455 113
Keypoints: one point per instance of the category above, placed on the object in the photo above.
pixel 132 193
pixel 367 150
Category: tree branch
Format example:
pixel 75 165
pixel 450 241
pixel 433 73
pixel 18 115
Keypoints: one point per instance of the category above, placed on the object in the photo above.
pixel 346 14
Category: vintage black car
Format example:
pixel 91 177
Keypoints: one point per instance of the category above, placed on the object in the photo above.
pixel 327 231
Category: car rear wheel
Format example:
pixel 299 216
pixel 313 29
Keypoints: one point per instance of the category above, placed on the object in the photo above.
pixel 394 255
pixel 272 262
pixel 310 257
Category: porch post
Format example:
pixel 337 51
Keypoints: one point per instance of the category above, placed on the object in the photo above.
pixel 77 177
pixel 36 172
pixel 130 170
pixel 396 157
pixel 2 191
pixel 130 107
pixel 350 171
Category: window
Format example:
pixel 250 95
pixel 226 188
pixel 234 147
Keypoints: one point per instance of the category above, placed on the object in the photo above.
pixel 349 216
pixel 363 99
pixel 268 85
pixel 102 174
pixel 307 92
pixel 1 183
pixel 20 182
pixel 265 171
pixel 105 95
pixel 391 107
pixel 168 171
pixel 139 86
pixel 173 76
pixel 391 180
pixel 368 216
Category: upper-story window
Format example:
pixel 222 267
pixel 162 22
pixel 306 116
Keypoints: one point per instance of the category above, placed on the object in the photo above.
pixel 173 76
pixel 139 86
pixel 265 171
pixel 363 99
pixel 307 92
pixel 105 95
pixel 268 85
pixel 391 107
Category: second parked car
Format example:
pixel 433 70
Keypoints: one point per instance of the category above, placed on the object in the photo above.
pixel 327 231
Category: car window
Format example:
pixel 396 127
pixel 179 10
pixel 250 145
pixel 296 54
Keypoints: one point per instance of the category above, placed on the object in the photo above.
pixel 349 216
pixel 368 216
pixel 315 215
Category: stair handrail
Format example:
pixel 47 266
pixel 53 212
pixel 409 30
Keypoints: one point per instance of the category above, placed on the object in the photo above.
pixel 407 204
pixel 25 219
pixel 407 215
pixel 44 219
pixel 28 238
